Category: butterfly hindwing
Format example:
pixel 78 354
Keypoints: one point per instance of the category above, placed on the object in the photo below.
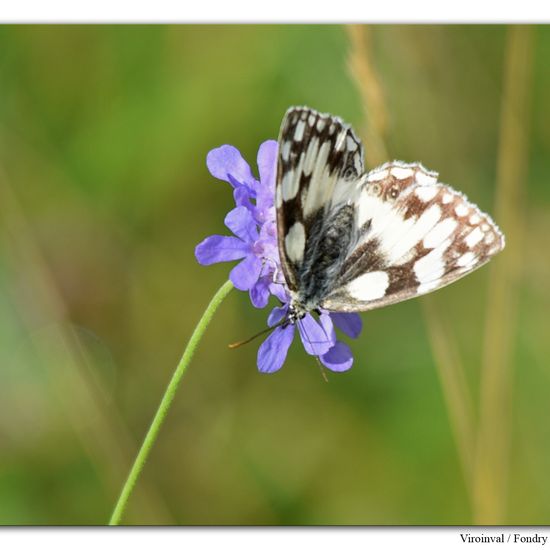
pixel 418 235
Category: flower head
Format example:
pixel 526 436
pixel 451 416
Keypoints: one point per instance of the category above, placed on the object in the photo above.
pixel 252 221
pixel 254 243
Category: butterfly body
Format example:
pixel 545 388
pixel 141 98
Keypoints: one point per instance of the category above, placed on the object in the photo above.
pixel 351 240
pixel 327 248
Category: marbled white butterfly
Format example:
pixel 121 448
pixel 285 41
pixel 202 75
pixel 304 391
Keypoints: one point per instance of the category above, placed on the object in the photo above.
pixel 355 241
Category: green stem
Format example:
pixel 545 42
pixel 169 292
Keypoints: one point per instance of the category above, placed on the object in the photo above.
pixel 167 399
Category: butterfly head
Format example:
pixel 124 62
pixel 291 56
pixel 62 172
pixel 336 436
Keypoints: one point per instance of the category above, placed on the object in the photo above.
pixel 296 311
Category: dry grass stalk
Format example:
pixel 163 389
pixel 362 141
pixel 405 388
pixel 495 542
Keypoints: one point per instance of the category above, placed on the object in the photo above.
pixel 493 441
pixel 450 369
pixel 362 70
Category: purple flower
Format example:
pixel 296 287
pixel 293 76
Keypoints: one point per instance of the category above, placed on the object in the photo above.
pixel 254 243
pixel 252 223
pixel 226 163
pixel 318 338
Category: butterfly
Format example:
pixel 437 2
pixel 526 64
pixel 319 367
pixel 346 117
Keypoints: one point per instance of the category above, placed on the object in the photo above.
pixel 351 240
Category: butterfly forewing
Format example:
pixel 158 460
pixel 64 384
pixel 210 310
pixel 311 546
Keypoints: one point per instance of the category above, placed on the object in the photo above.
pixel 351 241
pixel 319 161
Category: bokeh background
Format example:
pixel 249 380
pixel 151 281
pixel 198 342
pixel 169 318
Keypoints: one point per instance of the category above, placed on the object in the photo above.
pixel 104 194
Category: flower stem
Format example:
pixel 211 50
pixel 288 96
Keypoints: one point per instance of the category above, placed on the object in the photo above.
pixel 167 399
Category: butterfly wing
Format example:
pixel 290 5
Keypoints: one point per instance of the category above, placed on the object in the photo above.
pixel 418 235
pixel 350 241
pixel 319 162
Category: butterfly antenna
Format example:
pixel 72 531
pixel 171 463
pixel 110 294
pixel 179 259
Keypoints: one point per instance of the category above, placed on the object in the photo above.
pixel 265 331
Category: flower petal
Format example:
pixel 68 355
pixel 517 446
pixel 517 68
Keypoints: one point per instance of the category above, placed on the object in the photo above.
pixel 242 196
pixel 251 186
pixel 245 274
pixel 349 323
pixel 278 290
pixel 218 248
pixel 268 230
pixel 338 358
pixel 227 161
pixel 314 337
pixel 277 313
pixel 242 224
pixel 267 163
pixel 273 351
pixel 328 326
pixel 259 293
pixel 264 211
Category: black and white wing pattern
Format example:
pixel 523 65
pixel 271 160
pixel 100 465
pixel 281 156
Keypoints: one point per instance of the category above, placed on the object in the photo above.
pixel 320 161
pixel 354 241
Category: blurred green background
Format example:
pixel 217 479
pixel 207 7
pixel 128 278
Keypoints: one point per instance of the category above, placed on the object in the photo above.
pixel 104 194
